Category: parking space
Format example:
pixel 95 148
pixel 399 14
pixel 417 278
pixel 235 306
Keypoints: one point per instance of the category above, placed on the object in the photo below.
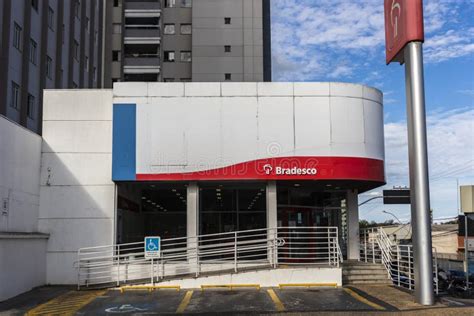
pixel 228 301
pixel 135 302
pixel 219 301
pixel 323 299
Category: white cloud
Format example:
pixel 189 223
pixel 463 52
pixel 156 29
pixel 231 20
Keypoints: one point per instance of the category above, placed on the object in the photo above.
pixel 449 45
pixel 337 32
pixel 341 71
pixel 451 157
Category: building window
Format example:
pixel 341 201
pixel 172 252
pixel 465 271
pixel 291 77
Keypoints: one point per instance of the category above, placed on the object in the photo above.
pixel 169 29
pixel 186 29
pixel 88 25
pixel 185 56
pixel 117 28
pixel 50 18
pixel 49 67
pixel 86 63
pixel 117 3
pixel 228 77
pixel 168 79
pixel 33 50
pixel 34 5
pixel 169 56
pixel 17 37
pixel 95 37
pixel 30 109
pixel 186 3
pixel 227 20
pixel 227 49
pixel 94 74
pixel 116 55
pixel 170 3
pixel 77 9
pixel 15 96
pixel 76 50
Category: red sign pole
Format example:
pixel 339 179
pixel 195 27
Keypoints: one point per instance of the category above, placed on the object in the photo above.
pixel 404 38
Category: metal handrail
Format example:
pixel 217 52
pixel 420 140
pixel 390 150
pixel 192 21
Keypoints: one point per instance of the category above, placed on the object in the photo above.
pixel 377 247
pixel 231 251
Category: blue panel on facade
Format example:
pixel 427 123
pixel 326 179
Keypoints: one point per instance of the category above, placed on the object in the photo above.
pixel 124 142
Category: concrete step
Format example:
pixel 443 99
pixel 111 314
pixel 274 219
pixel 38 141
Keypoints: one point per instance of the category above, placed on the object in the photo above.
pixel 371 268
pixel 387 282
pixel 365 277
pixel 364 272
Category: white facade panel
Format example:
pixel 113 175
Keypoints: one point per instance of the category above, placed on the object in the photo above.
pixel 67 234
pixel 373 125
pixel 76 169
pixel 65 105
pixel 20 151
pixel 238 140
pixel 77 201
pixel 346 89
pixel 311 89
pixel 312 126
pixel 77 136
pixel 347 120
pixel 275 127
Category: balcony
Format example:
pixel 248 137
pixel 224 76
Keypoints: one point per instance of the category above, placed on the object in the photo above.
pixel 142 5
pixel 142 9
pixel 142 60
pixel 142 31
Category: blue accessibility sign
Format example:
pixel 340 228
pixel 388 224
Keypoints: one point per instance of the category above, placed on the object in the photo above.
pixel 152 247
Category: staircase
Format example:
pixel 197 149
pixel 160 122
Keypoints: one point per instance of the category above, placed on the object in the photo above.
pixel 357 272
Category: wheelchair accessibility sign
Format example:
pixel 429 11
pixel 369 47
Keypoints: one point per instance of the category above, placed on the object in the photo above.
pixel 152 247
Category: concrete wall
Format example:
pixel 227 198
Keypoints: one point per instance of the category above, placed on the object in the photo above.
pixel 22 263
pixel 244 34
pixel 77 193
pixel 20 152
pixel 22 249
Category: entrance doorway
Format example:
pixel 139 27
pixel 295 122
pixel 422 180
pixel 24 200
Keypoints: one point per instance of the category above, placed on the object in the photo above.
pixel 306 212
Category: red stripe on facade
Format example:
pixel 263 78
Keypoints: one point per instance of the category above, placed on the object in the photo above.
pixel 286 168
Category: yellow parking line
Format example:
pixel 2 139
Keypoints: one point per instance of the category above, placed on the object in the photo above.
pixel 307 285
pixel 66 304
pixel 363 299
pixel 276 300
pixel 184 302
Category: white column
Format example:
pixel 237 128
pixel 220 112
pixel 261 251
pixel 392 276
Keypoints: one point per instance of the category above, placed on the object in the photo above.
pixel 271 196
pixel 353 241
pixel 192 214
pixel 271 205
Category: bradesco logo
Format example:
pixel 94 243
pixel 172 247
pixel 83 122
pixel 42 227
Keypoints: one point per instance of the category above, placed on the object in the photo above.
pixel 268 169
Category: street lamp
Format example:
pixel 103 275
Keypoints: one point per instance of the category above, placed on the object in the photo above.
pixel 390 213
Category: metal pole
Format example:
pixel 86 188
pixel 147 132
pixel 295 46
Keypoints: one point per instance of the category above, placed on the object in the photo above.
pixel 152 273
pixel 235 251
pixel 418 165
pixel 118 265
pixel 466 252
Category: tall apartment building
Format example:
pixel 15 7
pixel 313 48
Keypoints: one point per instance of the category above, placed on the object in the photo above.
pixel 187 40
pixel 47 44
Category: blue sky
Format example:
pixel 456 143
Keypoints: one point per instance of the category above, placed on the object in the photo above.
pixel 343 40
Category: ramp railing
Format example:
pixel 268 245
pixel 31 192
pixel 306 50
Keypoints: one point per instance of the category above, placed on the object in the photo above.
pixel 230 252
pixel 377 247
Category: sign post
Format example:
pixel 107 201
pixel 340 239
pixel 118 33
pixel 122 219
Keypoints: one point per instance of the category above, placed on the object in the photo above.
pixel 152 250
pixel 404 36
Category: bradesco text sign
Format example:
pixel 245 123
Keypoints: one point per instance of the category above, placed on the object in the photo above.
pixel 403 24
pixel 152 247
